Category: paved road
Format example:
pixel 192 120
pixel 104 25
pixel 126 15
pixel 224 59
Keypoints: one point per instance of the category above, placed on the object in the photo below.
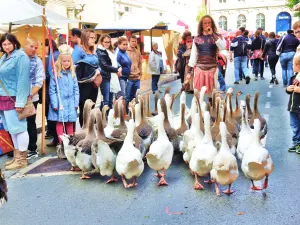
pixel 69 200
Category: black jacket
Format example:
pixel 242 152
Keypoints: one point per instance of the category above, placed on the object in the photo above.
pixel 294 101
pixel 258 43
pixel 105 63
pixel 270 47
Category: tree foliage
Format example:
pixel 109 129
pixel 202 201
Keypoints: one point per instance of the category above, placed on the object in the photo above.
pixel 291 3
pixel 202 12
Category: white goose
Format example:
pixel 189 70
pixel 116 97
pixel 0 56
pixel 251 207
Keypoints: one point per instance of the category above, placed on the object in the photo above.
pixel 203 155
pixel 110 124
pixel 189 135
pixel 70 151
pixel 177 119
pixel 129 163
pixel 161 151
pixel 245 135
pixel 225 169
pixel 105 160
pixel 198 136
pixel 257 162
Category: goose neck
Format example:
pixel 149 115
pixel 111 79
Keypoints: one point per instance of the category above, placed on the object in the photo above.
pixel 256 138
pixel 161 130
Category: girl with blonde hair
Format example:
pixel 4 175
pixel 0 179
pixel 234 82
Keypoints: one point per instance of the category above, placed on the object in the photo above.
pixel 64 96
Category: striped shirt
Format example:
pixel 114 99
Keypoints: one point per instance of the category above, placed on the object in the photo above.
pixel 37 74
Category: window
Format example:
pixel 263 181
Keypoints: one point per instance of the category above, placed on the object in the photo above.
pixel 126 8
pixel 260 21
pixel 223 22
pixel 222 1
pixel 241 21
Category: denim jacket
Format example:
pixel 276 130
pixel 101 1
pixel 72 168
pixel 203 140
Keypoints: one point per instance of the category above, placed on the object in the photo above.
pixel 69 96
pixel 15 73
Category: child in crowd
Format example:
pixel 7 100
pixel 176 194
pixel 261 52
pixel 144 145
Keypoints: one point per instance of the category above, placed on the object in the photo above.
pixel 293 106
pixel 64 96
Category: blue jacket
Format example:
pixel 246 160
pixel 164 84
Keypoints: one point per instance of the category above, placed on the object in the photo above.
pixel 240 46
pixel 69 94
pixel 79 54
pixel 15 73
pixel 125 62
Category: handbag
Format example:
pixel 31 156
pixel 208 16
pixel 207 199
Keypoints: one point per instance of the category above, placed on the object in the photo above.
pixel 258 53
pixel 28 110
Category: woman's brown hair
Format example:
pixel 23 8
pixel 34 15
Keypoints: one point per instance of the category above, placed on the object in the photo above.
pixel 257 33
pixel 271 35
pixel 85 36
pixel 102 39
pixel 200 26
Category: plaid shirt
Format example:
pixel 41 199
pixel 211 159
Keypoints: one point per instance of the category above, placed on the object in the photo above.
pixel 37 74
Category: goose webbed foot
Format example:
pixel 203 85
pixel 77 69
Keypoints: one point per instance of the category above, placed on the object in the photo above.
pixel 228 191
pixel 133 184
pixel 112 179
pixel 162 181
pixel 266 182
pixel 255 188
pixel 84 177
pixel 197 185
pixel 73 168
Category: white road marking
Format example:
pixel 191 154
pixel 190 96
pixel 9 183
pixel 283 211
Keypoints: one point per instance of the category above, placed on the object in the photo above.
pixel 269 94
pixel 270 86
pixel 268 105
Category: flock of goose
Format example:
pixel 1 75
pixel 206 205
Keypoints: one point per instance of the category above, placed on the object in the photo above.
pixel 208 134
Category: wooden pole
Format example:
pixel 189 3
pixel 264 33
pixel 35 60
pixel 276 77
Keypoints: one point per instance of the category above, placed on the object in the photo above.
pixel 44 85
pixel 151 39
pixel 9 27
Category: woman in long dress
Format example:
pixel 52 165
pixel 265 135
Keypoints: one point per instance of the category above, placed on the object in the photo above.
pixel 204 55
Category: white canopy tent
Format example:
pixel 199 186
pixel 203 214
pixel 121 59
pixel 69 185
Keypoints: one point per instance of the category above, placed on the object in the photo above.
pixel 28 12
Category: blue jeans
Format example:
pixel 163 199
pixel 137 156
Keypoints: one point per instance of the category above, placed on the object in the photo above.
pixel 221 80
pixel 132 87
pixel 258 67
pixel 286 61
pixel 107 95
pixel 295 126
pixel 240 62
pixel 123 83
pixel 155 79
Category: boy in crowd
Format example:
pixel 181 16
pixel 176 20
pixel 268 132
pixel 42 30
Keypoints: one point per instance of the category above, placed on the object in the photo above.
pixel 293 106
pixel 135 75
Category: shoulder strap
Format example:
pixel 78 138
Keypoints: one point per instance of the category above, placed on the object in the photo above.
pixel 2 85
pixel 6 91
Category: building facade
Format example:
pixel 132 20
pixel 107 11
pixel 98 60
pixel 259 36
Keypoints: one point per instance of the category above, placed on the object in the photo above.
pixel 270 15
